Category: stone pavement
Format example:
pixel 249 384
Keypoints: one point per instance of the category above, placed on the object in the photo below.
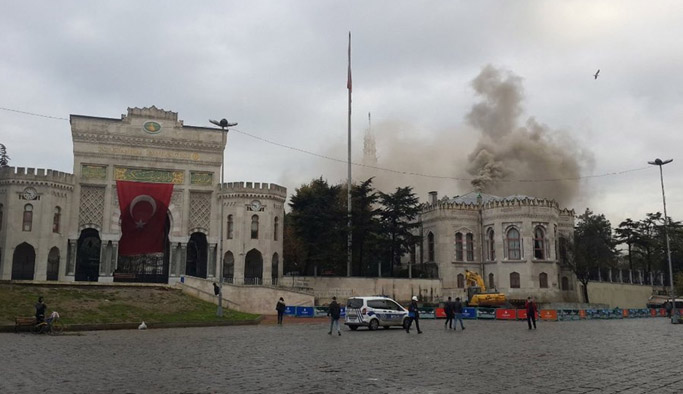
pixel 608 356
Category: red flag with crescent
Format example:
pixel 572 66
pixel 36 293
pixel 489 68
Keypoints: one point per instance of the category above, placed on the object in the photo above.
pixel 143 215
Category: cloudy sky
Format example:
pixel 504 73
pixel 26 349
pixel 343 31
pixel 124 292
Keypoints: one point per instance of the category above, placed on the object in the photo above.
pixel 454 87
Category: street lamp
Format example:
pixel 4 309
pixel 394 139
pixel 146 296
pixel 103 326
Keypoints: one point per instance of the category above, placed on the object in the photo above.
pixel 660 163
pixel 224 125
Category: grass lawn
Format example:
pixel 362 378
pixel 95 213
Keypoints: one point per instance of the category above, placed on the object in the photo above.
pixel 115 304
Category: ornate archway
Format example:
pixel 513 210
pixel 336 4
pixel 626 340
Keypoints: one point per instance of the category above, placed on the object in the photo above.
pixel 197 254
pixel 228 266
pixel 253 268
pixel 88 255
pixel 23 262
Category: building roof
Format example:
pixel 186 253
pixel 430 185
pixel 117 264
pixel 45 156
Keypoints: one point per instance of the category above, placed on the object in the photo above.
pixel 471 198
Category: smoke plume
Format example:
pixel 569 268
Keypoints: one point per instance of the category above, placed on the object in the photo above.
pixel 509 159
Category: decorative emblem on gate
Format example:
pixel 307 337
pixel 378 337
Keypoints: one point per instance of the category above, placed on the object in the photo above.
pixel 151 127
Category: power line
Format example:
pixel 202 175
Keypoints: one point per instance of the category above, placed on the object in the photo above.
pixel 409 173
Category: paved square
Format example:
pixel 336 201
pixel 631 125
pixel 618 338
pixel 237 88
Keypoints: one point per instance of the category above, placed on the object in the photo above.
pixel 609 356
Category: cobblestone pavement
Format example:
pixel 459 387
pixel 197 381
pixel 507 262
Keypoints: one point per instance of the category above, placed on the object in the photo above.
pixel 639 355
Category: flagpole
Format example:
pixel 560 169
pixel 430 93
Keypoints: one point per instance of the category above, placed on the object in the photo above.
pixel 348 186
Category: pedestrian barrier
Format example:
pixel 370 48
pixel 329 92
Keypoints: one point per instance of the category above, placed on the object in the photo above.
pixel 440 313
pixel 486 313
pixel 427 313
pixel 305 311
pixel 469 313
pixel 582 313
pixel 506 314
pixel 320 311
pixel 290 311
pixel 548 314
pixel 521 314
pixel 568 314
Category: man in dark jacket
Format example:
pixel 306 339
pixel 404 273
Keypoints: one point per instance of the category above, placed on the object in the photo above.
pixel 280 308
pixel 457 310
pixel 448 310
pixel 334 311
pixel 414 315
pixel 40 310
pixel 531 312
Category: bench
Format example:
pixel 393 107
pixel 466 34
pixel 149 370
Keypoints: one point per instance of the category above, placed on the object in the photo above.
pixel 24 322
pixel 123 276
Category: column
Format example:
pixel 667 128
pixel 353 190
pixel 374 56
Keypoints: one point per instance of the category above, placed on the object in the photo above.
pixel 103 259
pixel 173 260
pixel 240 261
pixel 267 269
pixel 71 264
pixel 630 276
pixel 114 256
pixel 183 258
pixel 211 261
pixel 621 276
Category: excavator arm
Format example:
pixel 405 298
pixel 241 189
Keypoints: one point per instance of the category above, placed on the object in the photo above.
pixel 473 279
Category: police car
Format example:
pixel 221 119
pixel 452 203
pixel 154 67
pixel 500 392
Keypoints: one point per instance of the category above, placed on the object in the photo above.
pixel 373 312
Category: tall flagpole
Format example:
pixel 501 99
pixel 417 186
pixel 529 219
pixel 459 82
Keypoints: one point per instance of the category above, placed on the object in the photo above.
pixel 348 186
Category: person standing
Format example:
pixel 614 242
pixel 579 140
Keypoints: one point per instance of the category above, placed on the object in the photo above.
pixel 448 310
pixel 531 312
pixel 413 315
pixel 669 307
pixel 40 310
pixel 334 312
pixel 280 307
pixel 457 310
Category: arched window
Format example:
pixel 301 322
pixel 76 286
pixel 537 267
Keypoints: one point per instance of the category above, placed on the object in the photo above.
pixel 565 283
pixel 514 280
pixel 231 227
pixel 543 280
pixel 0 217
pixel 28 217
pixel 228 266
pixel 562 252
pixel 254 227
pixel 458 247
pixel 276 227
pixel 513 242
pixel 461 281
pixel 430 246
pixel 55 220
pixel 469 242
pixel 539 243
pixel 490 246
pixel 492 282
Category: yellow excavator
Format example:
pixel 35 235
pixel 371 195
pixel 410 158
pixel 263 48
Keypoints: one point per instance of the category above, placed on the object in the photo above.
pixel 477 294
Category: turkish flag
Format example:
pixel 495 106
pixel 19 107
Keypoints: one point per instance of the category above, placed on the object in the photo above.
pixel 143 216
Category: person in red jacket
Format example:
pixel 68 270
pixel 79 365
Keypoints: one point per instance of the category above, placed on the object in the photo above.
pixel 531 312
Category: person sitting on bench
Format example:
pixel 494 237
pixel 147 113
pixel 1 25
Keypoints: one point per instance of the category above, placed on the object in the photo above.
pixel 40 310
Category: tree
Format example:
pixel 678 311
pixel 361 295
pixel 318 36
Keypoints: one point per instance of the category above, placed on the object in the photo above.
pixel 365 227
pixel 397 217
pixel 4 159
pixel 317 218
pixel 627 233
pixel 593 247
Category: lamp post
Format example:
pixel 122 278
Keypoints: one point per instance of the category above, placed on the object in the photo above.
pixel 224 125
pixel 660 163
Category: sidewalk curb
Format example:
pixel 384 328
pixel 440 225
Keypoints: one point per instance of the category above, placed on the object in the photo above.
pixel 134 326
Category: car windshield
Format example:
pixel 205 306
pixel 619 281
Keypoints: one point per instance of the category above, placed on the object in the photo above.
pixel 354 303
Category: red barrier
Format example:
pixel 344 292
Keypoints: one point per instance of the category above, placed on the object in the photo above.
pixel 521 314
pixel 506 314
pixel 624 312
pixel 582 314
pixel 548 314
pixel 440 313
pixel 653 312
pixel 662 312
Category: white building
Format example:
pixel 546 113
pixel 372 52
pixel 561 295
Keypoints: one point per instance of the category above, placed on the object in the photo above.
pixel 512 242
pixel 59 226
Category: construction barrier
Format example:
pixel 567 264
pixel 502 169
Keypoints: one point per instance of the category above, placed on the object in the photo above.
pixel 626 313
pixel 320 311
pixel 305 311
pixel 506 314
pixel 548 314
pixel 582 313
pixel 486 313
pixel 469 313
pixel 568 314
pixel 440 313
pixel 427 313
pixel 521 314
pixel 290 311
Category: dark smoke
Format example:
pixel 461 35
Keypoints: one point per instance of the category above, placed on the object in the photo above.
pixel 513 159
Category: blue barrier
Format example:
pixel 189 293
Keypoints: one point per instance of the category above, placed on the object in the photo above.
pixel 305 311
pixel 343 311
pixel 290 311
pixel 469 313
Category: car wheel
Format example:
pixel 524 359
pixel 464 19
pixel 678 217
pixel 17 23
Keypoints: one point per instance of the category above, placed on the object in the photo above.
pixel 353 328
pixel 374 324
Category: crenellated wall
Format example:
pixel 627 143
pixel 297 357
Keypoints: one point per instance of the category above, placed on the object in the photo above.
pixel 251 188
pixel 35 175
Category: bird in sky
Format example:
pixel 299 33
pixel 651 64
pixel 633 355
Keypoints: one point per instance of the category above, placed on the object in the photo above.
pixel 595 76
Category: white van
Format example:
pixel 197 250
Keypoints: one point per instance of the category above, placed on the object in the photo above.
pixel 373 312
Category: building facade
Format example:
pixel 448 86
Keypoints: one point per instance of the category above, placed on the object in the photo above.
pixel 59 226
pixel 512 242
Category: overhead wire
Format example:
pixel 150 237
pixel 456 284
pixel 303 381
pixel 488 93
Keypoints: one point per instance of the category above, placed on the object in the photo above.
pixel 408 173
